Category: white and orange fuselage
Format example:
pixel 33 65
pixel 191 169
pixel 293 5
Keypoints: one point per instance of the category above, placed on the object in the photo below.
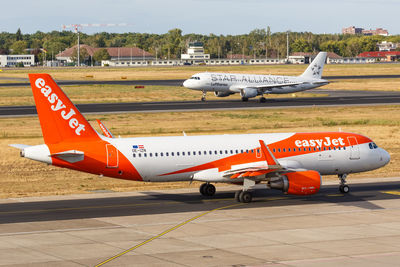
pixel 180 158
pixel 293 162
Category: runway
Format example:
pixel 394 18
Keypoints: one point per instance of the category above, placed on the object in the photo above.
pixel 172 82
pixel 358 229
pixel 336 98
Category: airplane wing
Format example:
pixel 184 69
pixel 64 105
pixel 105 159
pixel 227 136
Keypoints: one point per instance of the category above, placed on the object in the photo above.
pixel 272 166
pixel 263 87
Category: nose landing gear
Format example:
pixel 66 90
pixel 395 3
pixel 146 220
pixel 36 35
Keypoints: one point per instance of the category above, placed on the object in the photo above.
pixel 343 187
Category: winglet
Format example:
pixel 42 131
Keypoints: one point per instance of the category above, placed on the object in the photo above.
pixel 104 129
pixel 269 157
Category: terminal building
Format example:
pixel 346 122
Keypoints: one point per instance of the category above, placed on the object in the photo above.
pixel 195 54
pixel 13 60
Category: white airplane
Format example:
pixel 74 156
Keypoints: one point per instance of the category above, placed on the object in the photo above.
pixel 291 162
pixel 250 85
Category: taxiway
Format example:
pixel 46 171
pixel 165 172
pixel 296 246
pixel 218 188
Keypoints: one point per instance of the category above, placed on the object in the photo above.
pixel 181 228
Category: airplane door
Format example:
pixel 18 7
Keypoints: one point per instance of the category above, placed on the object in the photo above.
pixel 112 156
pixel 354 149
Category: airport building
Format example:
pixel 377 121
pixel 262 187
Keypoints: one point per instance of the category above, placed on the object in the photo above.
pixel 195 54
pixel 13 60
pixel 386 56
pixel 119 56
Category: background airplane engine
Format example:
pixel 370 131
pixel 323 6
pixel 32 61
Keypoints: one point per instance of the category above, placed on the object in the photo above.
pixel 248 92
pixel 298 183
pixel 222 94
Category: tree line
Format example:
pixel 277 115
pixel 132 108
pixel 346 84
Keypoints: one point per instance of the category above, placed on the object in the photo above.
pixel 257 43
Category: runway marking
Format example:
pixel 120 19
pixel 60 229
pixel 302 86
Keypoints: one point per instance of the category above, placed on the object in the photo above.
pixel 334 195
pixel 392 192
pixel 165 232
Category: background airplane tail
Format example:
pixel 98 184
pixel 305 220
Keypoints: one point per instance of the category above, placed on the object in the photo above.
pixel 316 67
pixel 59 118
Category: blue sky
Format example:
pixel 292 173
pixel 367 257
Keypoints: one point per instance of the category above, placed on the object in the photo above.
pixel 201 16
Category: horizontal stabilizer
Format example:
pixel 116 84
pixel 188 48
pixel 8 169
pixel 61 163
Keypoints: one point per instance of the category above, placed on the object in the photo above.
pixel 70 156
pixel 19 146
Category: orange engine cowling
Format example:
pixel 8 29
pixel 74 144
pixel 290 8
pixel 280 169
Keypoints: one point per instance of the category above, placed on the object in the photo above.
pixel 298 183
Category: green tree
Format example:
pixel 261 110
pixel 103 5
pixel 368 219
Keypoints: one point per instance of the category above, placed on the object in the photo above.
pixel 101 54
pixel 19 47
pixel 300 45
pixel 18 35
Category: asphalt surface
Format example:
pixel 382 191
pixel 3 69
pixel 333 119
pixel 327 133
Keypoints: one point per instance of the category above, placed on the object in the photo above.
pixel 335 98
pixel 181 228
pixel 150 203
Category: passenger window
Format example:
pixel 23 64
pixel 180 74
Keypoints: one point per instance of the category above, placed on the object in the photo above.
pixel 304 149
pixel 145 155
pixel 237 151
pixel 252 151
pixel 284 150
pixel 226 151
pixel 210 152
pixel 150 155
pixel 177 153
pixel 294 149
pixel 140 155
pixel 279 150
pixel 309 149
pixel 288 149
pixel 161 154
pixel 194 153
pixel 199 152
pixel 183 153
pixel 134 155
pixel 156 154
pixel 166 154
pixel 220 152
pixel 241 151
pixel 215 152
pixel 188 153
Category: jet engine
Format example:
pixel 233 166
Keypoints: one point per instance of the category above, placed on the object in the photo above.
pixel 248 92
pixel 297 183
pixel 222 94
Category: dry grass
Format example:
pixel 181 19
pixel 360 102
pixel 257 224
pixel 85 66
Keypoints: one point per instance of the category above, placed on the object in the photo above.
pixel 160 73
pixel 23 177
pixel 117 93
pixel 365 84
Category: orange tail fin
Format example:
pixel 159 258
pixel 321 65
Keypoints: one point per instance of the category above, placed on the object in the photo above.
pixel 59 118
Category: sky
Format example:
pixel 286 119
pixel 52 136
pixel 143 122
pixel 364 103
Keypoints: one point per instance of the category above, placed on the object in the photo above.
pixel 200 16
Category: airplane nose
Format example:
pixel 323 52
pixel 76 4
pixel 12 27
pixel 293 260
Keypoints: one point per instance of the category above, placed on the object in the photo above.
pixel 186 83
pixel 385 156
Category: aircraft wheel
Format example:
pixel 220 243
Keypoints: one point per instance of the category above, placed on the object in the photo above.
pixel 263 100
pixel 203 99
pixel 246 197
pixel 344 189
pixel 237 195
pixel 202 189
pixel 245 99
pixel 209 190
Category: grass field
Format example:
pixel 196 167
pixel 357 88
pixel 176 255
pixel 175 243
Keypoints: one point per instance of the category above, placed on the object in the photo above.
pixel 23 177
pixel 183 72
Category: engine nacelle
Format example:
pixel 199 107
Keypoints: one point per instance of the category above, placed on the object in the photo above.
pixel 248 92
pixel 222 94
pixel 298 183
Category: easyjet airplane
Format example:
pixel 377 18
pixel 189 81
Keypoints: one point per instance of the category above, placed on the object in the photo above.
pixel 291 162
pixel 250 85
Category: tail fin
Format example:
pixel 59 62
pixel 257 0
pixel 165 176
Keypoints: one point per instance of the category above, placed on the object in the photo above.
pixel 314 70
pixel 59 118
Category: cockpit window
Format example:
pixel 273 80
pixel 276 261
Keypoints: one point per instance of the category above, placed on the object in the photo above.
pixel 195 78
pixel 372 145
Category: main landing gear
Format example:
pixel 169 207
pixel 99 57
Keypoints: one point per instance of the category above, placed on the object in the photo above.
pixel 207 189
pixel 343 188
pixel 245 99
pixel 262 99
pixel 243 196
pixel 203 97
